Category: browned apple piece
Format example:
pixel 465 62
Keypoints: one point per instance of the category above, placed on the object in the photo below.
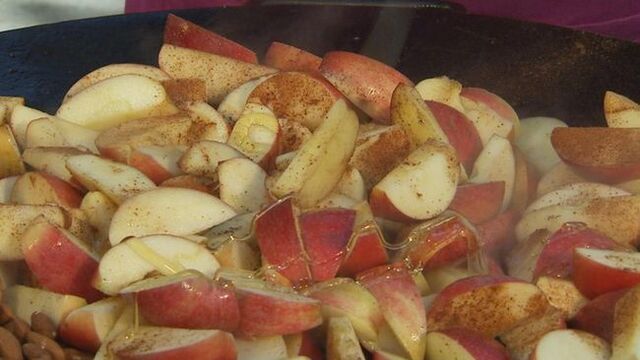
pixel 522 340
pixel 184 91
pixel 620 111
pixel 10 160
pixel 610 155
pixel 289 58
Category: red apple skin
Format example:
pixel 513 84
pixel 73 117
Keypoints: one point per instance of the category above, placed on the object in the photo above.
pixel 596 317
pixel 79 334
pixel 497 234
pixel 326 234
pixel 193 303
pixel 265 315
pixel 557 259
pixel 149 166
pixel 180 32
pixel 58 263
pixel 447 241
pixel 68 195
pixel 310 347
pixel 460 131
pixel 491 100
pixel 61 192
pixel 477 345
pixel 368 251
pixel 478 202
pixel 366 82
pixel 593 278
pixel 289 58
pixel 278 236
pixel 381 206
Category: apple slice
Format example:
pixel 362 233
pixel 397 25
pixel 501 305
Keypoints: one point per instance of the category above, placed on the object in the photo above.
pixel 183 92
pixel 35 188
pixel 118 181
pixel 114 70
pixel 441 241
pixel 379 151
pixel 181 32
pixel 460 343
pixel 342 342
pixel 262 348
pixel 596 317
pixel 597 271
pixel 20 119
pixel 620 111
pixel 55 132
pixel 167 211
pixel 6 188
pixel 99 210
pixel 562 294
pixel 10 102
pixel 242 185
pixel 278 235
pixel 147 342
pixel 421 187
pixel 268 312
pixel 598 153
pixel 571 344
pixel 286 57
pixel 186 300
pixel 534 140
pixel 158 163
pixel 296 96
pixel 233 104
pixel 116 100
pixel 559 175
pixel 366 82
pixel 59 261
pixel 135 258
pixel 14 220
pixel 10 161
pixel 496 162
pixel 221 74
pixel 490 113
pixel 412 114
pixel 488 304
pixel 442 90
pixel 208 124
pixel 521 340
pixel 626 326
pixel 575 194
pixel 24 301
pixel 203 157
pixel 401 305
pixel 87 327
pixel 366 250
pixel 256 135
pixel 479 202
pixel 321 161
pixel 53 161
pixel 525 183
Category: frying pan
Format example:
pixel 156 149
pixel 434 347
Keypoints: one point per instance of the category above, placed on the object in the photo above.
pixel 539 69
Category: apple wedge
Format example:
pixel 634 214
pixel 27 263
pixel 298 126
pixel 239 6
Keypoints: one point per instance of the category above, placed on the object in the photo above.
pixel 147 342
pixel 20 119
pixel 233 104
pixel 521 340
pixel 286 57
pixel 242 185
pixel 10 161
pixel 597 271
pixel 87 327
pixel 59 261
pixel 604 154
pixel 203 157
pixel 55 132
pixel 366 250
pixel 490 114
pixel 167 211
pixel 39 188
pixel 379 151
pixel 186 300
pixel 24 301
pixel 496 162
pixel 181 32
pixel 620 111
pixel 342 342
pixel 410 112
pixel 135 258
pixel 626 326
pixel 158 163
pixel 296 96
pixel 421 187
pixel 562 294
pixel 114 70
pixel 257 136
pixel 268 312
pixel 208 124
pixel 597 316
pixel 400 304
pixel 366 82
pixel 53 161
pixel 479 202
pixel 559 175
pixel 262 348
pixel 442 90
pixel 116 100
pixel 221 74
pixel 571 344
pixel 488 304
pixel 319 164
pixel 461 343
pixel 16 218
pixel 6 188
pixel 118 181
pixel 575 194
pixel 534 141
pixel 183 92
pixel 99 210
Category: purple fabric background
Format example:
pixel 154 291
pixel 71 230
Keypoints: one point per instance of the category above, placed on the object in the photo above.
pixel 615 18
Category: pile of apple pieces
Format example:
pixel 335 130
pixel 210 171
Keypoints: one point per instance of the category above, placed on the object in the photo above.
pixel 327 207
